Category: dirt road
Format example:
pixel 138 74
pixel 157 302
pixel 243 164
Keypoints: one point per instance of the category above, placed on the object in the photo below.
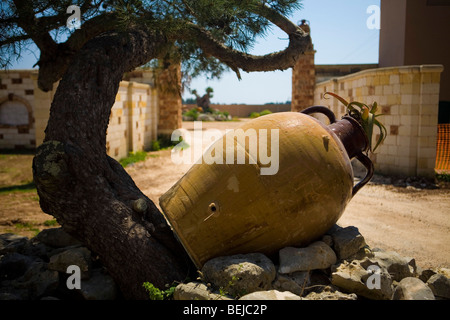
pixel 413 222
pixel 410 221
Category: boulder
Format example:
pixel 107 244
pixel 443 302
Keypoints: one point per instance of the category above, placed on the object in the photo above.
pixel 399 267
pixel 347 241
pixel 10 242
pixel 99 286
pixel 294 282
pixel 26 278
pixel 439 285
pixel 80 257
pixel 240 274
pixel 205 117
pixel 196 291
pixel 411 288
pixel 364 278
pixel 270 295
pixel 317 255
pixel 56 238
pixel 329 293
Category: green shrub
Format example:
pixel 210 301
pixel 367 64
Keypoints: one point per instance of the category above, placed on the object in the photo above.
pixel 192 113
pixel 133 157
pixel 254 115
pixel 265 112
pixel 158 294
pixel 443 177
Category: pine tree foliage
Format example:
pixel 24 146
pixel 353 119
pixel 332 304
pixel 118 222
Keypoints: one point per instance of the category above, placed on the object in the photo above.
pixel 233 24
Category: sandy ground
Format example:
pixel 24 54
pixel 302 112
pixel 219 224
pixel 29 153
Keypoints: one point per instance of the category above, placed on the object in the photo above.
pixel 413 222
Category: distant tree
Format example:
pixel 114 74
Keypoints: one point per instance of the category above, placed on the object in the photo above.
pixel 88 192
pixel 204 101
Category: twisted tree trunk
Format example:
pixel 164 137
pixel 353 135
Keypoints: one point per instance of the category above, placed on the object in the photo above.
pixel 89 193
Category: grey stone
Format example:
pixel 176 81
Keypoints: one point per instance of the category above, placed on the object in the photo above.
pixel 39 280
pixel 329 293
pixel 439 285
pixel 294 282
pixel 196 291
pixel 10 242
pixel 411 288
pixel 317 255
pixel 426 274
pixel 240 274
pixel 100 286
pixel 347 242
pixel 364 278
pixel 271 295
pixel 205 117
pixel 14 265
pixel 56 238
pixel 80 257
pixel 399 267
pixel 35 281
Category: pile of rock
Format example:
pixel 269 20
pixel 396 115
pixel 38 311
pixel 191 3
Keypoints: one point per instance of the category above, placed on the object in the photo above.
pixel 339 267
pixel 37 268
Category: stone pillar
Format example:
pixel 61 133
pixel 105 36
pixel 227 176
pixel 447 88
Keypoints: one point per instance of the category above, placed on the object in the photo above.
pixel 169 99
pixel 303 78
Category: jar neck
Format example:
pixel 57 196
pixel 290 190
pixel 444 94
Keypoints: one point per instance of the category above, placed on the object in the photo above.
pixel 351 134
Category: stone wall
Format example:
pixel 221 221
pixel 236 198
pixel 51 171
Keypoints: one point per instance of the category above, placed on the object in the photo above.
pixel 17 119
pixel 244 110
pixel 25 109
pixel 409 98
pixel 133 120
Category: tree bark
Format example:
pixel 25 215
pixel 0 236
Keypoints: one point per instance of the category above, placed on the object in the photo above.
pixel 89 193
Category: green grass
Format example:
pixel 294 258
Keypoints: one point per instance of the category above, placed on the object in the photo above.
pixel 133 157
pixel 27 226
pixel 50 223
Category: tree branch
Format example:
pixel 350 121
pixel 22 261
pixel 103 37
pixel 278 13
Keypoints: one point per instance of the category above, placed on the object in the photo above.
pixel 299 42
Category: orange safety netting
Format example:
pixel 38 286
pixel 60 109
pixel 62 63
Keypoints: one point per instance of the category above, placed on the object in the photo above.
pixel 443 148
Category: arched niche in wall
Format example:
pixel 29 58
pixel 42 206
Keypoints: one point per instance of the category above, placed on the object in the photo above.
pixel 15 112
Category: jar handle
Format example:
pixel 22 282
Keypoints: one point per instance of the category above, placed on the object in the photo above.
pixel 363 159
pixel 367 163
pixel 321 109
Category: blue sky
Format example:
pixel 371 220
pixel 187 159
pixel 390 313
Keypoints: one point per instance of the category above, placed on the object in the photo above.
pixel 340 36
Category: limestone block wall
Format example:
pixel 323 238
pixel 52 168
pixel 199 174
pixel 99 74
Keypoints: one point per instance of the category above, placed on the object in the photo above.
pixel 133 120
pixel 25 109
pixel 17 119
pixel 408 97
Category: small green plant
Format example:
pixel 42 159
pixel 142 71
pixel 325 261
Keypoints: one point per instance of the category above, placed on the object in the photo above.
pixel 443 176
pixel 265 112
pixel 50 223
pixel 133 157
pixel 366 117
pixel 158 294
pixel 254 115
pixel 155 146
pixel 192 113
pixel 27 226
